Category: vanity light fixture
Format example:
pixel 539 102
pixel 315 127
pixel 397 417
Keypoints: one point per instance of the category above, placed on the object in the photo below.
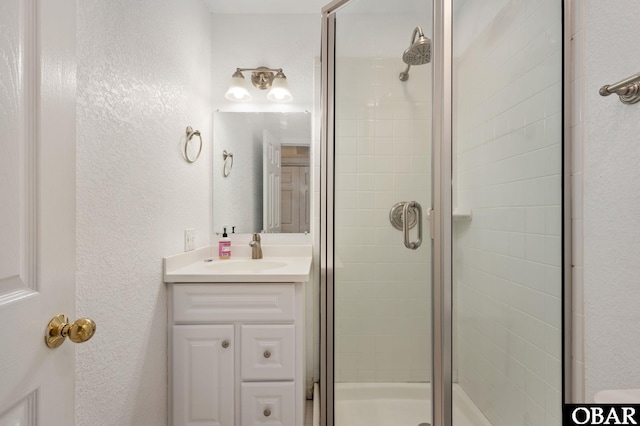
pixel 262 78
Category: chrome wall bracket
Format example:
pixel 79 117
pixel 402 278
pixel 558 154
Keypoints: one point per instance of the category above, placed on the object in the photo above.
pixel 227 157
pixel 261 77
pixel 628 89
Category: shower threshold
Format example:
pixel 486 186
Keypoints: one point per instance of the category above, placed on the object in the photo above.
pixel 393 404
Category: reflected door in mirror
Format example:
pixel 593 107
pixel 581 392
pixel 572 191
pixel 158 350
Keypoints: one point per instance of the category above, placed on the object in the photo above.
pixel 294 208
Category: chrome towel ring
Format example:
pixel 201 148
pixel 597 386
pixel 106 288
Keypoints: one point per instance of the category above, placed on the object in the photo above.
pixel 228 163
pixel 190 134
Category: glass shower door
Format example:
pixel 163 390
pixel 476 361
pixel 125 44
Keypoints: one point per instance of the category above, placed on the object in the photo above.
pixel 497 171
pixel 507 193
pixel 382 176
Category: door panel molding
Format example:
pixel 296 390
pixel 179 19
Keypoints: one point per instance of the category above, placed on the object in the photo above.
pixel 23 413
pixel 18 180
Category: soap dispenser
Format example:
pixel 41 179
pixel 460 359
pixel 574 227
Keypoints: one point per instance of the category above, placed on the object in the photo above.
pixel 224 246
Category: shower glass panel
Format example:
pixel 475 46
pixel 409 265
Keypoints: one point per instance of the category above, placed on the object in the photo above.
pixel 382 289
pixel 507 200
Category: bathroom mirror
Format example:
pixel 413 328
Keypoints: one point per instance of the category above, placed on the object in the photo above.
pixel 261 172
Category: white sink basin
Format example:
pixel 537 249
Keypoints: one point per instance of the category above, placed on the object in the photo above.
pixel 243 265
pixel 283 264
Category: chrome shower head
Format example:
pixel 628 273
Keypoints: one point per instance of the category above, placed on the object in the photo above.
pixel 418 53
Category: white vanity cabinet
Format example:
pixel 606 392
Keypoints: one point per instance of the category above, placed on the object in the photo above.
pixel 237 354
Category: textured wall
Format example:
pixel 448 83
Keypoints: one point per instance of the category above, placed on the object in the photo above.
pixel 611 200
pixel 507 260
pixel 143 76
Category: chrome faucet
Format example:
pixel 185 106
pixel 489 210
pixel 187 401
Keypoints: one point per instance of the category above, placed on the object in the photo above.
pixel 256 248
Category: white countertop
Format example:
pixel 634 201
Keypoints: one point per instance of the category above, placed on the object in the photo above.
pixel 279 264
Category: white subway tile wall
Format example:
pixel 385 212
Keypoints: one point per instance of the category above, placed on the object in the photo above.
pixel 507 260
pixel 383 156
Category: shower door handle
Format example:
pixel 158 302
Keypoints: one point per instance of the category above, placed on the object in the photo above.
pixel 413 245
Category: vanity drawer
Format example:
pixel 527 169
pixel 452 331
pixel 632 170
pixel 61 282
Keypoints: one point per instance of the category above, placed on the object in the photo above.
pixel 270 404
pixel 267 352
pixel 197 303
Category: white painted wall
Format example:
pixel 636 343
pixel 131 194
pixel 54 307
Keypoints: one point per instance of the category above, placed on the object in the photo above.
pixel 507 260
pixel 611 200
pixel 290 42
pixel 143 76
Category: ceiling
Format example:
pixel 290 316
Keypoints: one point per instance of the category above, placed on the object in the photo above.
pixel 266 6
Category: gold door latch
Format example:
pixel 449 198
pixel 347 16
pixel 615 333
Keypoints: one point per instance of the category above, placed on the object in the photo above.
pixel 59 329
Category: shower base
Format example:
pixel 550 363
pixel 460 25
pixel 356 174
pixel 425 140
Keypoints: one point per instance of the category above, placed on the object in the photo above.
pixel 397 404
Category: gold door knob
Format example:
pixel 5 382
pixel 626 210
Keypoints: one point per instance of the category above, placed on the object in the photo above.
pixel 59 329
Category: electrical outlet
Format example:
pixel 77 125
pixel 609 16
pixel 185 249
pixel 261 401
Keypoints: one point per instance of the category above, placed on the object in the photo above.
pixel 189 239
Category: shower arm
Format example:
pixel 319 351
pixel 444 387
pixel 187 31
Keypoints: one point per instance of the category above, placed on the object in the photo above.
pixel 415 33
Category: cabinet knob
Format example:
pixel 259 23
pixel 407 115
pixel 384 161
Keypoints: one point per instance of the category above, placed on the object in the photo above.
pixel 267 412
pixel 225 344
pixel 267 354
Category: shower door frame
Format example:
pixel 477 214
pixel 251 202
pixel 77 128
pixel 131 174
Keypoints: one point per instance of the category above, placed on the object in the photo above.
pixel 441 215
pixel 440 218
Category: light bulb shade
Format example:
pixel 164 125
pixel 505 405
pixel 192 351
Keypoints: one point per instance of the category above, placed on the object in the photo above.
pixel 238 90
pixel 280 89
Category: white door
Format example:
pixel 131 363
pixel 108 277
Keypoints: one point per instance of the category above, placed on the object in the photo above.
pixel 305 200
pixel 290 199
pixel 37 208
pixel 271 182
pixel 295 201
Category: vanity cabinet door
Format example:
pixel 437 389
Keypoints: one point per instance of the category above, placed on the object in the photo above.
pixel 203 375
